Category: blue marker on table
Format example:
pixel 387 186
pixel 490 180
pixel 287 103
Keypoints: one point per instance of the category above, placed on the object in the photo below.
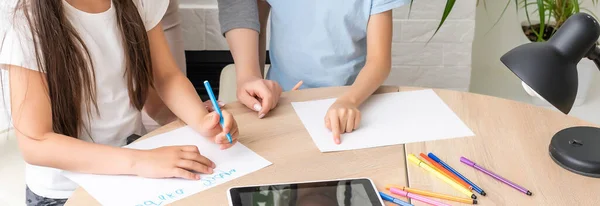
pixel 213 99
pixel 438 160
pixel 389 198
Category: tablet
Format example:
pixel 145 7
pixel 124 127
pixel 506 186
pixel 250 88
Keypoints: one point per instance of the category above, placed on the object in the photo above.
pixel 358 191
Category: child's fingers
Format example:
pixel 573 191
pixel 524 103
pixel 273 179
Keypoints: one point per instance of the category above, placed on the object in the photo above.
pixel 222 138
pixel 211 120
pixel 335 127
pixel 227 146
pixel 227 121
pixel 350 121
pixel 189 148
pixel 357 120
pixel 343 118
pixel 234 131
pixel 185 174
pixel 327 123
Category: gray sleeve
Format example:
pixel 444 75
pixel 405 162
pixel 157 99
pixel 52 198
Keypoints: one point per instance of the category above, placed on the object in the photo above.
pixel 235 14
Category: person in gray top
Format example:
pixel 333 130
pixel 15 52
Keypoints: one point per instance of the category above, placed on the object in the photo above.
pixel 243 23
pixel 236 14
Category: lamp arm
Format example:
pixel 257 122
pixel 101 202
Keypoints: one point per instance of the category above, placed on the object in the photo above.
pixel 594 55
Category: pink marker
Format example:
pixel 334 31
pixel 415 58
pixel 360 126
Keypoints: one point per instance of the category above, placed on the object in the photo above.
pixel 420 198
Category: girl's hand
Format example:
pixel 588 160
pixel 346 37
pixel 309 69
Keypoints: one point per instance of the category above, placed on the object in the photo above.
pixel 210 127
pixel 172 161
pixel 343 116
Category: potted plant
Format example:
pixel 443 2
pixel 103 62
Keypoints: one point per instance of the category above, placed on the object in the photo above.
pixel 542 19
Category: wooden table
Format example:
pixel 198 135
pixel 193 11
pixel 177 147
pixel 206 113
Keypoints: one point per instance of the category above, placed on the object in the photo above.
pixel 282 139
pixel 511 139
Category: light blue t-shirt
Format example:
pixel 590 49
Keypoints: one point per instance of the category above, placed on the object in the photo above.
pixel 321 42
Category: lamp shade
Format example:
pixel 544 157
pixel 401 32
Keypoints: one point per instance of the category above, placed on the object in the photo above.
pixel 550 68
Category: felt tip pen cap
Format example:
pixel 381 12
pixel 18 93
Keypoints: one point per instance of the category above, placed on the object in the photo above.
pixel 387 187
pixel 414 159
pixel 467 161
pixel 433 157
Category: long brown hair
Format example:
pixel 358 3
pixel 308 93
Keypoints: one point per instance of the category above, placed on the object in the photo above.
pixel 64 59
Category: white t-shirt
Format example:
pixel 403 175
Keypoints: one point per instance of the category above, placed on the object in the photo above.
pixel 117 118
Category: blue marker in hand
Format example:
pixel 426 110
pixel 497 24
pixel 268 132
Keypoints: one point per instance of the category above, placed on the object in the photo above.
pixel 213 99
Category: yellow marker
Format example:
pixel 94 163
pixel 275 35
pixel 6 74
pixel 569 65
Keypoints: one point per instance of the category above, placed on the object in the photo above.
pixel 425 166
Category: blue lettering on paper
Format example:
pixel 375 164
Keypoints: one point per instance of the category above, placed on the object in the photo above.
pixel 160 199
pixel 209 180
pixel 214 179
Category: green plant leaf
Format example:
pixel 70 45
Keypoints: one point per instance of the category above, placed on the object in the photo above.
pixel 542 13
pixel 447 10
pixel 575 5
pixel 410 8
pixel 537 34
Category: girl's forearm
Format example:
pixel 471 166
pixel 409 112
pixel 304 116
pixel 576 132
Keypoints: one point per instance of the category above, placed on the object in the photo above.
pixel 70 154
pixel 172 86
pixel 178 93
pixel 368 80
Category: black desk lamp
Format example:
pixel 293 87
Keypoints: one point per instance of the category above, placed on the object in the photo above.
pixel 550 69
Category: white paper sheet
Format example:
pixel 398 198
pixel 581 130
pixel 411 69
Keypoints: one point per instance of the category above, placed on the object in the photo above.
pixel 386 119
pixel 232 163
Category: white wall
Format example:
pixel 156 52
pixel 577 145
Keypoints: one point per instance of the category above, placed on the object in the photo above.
pixel 444 63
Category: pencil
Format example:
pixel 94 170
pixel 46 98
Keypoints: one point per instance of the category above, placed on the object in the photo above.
pixel 297 85
pixel 434 195
pixel 441 169
pixel 439 175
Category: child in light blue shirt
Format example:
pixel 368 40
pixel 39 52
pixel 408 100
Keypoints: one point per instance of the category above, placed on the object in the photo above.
pixel 322 43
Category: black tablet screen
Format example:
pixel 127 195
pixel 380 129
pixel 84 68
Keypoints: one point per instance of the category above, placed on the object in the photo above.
pixel 327 193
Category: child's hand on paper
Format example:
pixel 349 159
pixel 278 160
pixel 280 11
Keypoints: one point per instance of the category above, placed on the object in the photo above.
pixel 342 117
pixel 172 161
pixel 210 127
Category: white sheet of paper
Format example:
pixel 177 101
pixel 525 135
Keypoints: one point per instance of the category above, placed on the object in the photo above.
pixel 386 119
pixel 232 163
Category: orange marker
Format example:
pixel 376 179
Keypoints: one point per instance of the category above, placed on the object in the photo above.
pixel 434 195
pixel 297 85
pixel 441 169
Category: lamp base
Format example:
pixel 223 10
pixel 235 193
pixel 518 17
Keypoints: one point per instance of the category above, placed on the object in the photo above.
pixel 577 149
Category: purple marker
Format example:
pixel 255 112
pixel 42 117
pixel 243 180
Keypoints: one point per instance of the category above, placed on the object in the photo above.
pixel 495 176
